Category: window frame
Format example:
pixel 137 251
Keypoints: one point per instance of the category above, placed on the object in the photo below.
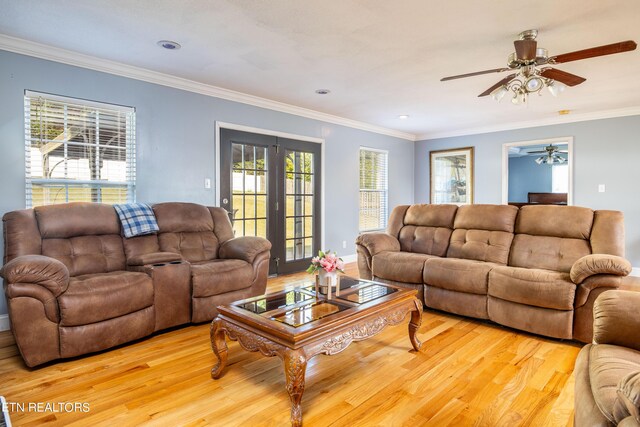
pixel 66 182
pixel 384 210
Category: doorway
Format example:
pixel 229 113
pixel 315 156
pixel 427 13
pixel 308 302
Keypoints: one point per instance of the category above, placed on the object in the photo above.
pixel 271 187
pixel 538 172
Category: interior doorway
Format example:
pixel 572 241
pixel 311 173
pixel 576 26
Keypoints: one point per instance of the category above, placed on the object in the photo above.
pixel 538 172
pixel 271 186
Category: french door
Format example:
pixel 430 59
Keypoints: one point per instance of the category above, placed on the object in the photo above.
pixel 271 188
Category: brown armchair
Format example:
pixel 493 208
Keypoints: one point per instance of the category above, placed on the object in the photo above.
pixel 608 371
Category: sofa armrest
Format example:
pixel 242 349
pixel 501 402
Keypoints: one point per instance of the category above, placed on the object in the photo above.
pixel 627 403
pixel 591 265
pixel 153 258
pixel 378 242
pixel 616 320
pixel 245 248
pixel 37 269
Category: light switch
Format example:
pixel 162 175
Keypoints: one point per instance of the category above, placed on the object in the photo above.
pixel 207 183
pixel 601 188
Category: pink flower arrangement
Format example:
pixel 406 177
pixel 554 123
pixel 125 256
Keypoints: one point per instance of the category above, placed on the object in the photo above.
pixel 326 260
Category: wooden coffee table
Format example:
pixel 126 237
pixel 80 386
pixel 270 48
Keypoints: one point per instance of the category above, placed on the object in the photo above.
pixel 295 325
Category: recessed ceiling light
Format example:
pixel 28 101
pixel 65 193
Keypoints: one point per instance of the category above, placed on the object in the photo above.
pixel 169 45
pixel 323 91
pixel 564 112
pixel 403 116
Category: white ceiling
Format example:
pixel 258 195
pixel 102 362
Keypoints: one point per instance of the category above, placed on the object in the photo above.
pixel 379 58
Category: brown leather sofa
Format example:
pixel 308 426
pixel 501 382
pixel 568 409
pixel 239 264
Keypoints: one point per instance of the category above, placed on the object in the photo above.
pixel 74 285
pixel 537 268
pixel 607 372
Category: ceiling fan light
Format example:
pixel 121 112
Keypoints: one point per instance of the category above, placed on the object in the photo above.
pixel 533 84
pixel 556 88
pixel 541 54
pixel 499 93
pixel 540 160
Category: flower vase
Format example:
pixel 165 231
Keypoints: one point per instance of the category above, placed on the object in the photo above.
pixel 326 281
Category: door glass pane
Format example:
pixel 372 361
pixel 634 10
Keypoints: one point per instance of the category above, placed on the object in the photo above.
pixel 249 190
pixel 298 186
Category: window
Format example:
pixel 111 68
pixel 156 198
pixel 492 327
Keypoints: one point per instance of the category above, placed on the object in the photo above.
pixel 373 189
pixel 78 151
pixel 560 178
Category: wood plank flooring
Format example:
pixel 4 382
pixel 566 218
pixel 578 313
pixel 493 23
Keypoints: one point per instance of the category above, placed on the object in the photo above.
pixel 468 373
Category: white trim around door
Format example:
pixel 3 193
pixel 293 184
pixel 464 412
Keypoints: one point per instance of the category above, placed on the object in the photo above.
pixel 505 162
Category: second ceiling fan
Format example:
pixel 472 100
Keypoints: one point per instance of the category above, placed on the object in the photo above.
pixel 532 74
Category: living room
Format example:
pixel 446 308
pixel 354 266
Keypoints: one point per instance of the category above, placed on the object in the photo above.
pixel 344 87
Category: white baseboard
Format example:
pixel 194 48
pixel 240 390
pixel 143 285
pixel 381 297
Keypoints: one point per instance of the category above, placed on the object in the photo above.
pixel 635 271
pixel 4 322
pixel 350 258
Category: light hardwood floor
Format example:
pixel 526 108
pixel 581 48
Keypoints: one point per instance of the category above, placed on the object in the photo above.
pixel 467 373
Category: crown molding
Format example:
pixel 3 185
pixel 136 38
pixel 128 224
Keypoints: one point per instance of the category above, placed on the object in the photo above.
pixel 556 120
pixel 51 53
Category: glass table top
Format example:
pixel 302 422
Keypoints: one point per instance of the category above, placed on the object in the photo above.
pixel 300 306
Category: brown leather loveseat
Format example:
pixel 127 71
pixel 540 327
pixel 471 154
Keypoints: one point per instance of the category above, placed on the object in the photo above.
pixel 608 371
pixel 537 268
pixel 74 285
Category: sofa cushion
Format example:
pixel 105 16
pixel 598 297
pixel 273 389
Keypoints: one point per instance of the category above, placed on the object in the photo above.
pixel 483 233
pixel 627 403
pixel 96 297
pixel 548 253
pixel 87 254
pixel 427 229
pixel 486 217
pixel 193 247
pixel 608 365
pixel 219 276
pixel 535 287
pixel 425 240
pixel 461 275
pixel 555 221
pixel 480 245
pixel 76 219
pixel 399 266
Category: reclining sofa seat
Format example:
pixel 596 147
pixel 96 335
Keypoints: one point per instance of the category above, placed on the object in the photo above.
pixel 74 285
pixel 223 269
pixel 530 268
pixel 71 292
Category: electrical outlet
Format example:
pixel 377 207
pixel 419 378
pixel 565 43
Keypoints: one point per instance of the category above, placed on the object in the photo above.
pixel 207 183
pixel 601 188
pixel 344 244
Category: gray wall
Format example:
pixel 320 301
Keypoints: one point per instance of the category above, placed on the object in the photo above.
pixel 526 176
pixel 605 152
pixel 176 142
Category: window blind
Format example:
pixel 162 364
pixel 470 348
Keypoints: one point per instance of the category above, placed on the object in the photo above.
pixel 78 150
pixel 373 189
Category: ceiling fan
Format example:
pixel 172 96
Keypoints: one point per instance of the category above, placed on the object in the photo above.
pixel 532 76
pixel 550 155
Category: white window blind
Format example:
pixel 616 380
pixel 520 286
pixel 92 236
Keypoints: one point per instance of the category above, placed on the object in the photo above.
pixel 78 151
pixel 373 189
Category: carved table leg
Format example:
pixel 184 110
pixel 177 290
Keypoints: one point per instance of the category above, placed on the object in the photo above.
pixel 295 366
pixel 414 325
pixel 219 346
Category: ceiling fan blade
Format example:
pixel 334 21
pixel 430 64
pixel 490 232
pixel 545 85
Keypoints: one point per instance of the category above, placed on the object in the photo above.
pixel 609 49
pixel 497 85
pixel 477 73
pixel 562 76
pixel 526 49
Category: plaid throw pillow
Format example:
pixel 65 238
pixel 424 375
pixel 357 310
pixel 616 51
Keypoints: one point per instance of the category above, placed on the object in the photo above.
pixel 137 219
